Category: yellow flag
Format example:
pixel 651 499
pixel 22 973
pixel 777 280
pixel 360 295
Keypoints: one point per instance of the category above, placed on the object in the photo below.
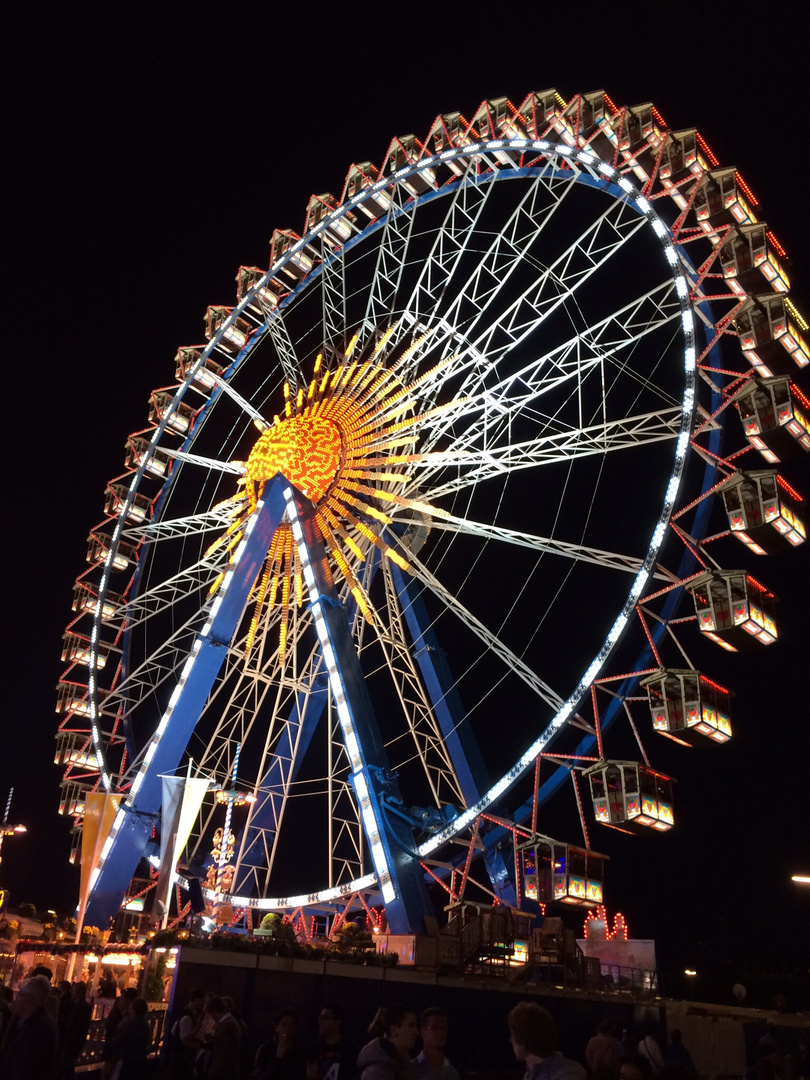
pixel 99 814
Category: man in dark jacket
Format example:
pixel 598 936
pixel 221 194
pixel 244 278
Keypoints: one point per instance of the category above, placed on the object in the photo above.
pixel 30 1040
pixel 74 1033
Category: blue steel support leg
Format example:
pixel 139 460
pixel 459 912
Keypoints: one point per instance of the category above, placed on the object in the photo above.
pixel 448 709
pixel 135 820
pixel 390 839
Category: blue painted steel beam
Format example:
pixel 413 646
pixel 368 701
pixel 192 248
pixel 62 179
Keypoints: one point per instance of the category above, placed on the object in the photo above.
pixel 450 714
pixel 390 839
pixel 136 820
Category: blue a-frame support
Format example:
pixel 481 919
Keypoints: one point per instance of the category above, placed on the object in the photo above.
pixel 390 839
pixel 135 821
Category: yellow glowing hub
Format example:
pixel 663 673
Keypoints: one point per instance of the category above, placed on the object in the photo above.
pixel 305 449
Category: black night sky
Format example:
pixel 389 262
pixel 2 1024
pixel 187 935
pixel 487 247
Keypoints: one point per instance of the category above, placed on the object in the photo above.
pixel 153 148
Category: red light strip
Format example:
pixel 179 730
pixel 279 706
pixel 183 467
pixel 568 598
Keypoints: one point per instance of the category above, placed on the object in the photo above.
pixel 473 834
pixel 704 146
pixel 437 879
pixel 746 190
pixel 758 585
pixel 579 807
pixel 640 614
pixel 775 244
pixel 627 675
pixel 797 393
pixel 534 795
pixel 611 104
pixel 786 486
pixel 661 121
pixel 597 725
pixel 716 685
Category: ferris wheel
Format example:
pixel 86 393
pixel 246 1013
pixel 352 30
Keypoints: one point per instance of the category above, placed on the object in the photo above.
pixel 453 489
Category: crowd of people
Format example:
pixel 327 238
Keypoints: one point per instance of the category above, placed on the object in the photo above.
pixel 208 1043
pixel 43 1029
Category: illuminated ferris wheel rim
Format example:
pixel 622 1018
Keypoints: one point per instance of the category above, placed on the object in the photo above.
pixel 585 167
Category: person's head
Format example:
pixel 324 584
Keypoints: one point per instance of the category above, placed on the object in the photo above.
pixel 31 996
pixel 286 1023
pixel 43 969
pixel 330 1020
pixel 215 1006
pixel 63 986
pixel 676 1035
pixel 604 1027
pixel 433 1026
pixel 532 1030
pixel 401 1028
pixel 196 1001
pixel 138 1007
pixel 78 991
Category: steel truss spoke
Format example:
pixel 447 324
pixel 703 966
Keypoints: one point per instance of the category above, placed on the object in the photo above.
pixel 162 597
pixel 584 257
pixel 242 402
pixel 627 433
pixel 285 350
pixel 333 300
pixel 192 525
pixel 580 552
pixel 393 247
pixel 593 352
pixel 236 468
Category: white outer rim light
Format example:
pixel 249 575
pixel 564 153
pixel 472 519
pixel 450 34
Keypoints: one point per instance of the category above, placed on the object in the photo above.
pixel 605 176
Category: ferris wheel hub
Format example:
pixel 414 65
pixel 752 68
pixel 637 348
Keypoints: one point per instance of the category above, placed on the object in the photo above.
pixel 306 449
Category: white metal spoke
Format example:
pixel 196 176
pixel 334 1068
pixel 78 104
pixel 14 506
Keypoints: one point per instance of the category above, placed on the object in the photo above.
pixel 192 525
pixel 393 246
pixel 235 468
pixel 280 336
pixel 333 299
pixel 242 402
pixel 162 597
pixel 627 433
pixel 545 545
pixel 593 350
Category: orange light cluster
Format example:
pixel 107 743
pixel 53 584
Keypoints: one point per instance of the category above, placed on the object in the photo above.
pixel 347 442
pixel 306 449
